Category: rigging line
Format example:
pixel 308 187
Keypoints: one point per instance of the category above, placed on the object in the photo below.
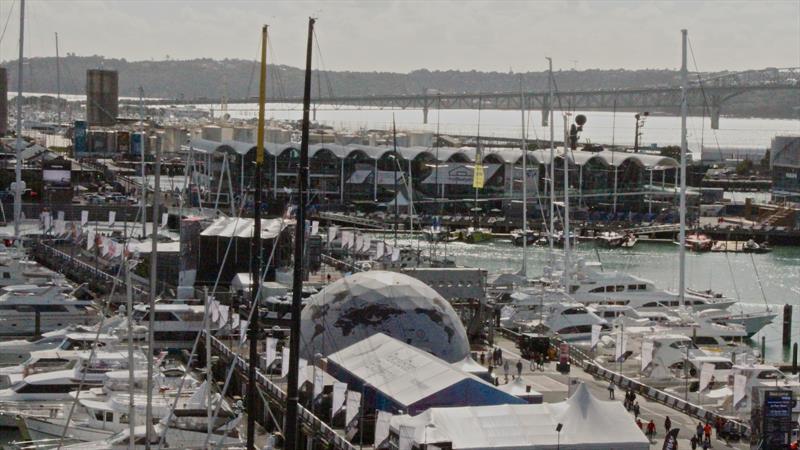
pixel 760 285
pixel 277 77
pixel 97 336
pixel 10 11
pixel 322 65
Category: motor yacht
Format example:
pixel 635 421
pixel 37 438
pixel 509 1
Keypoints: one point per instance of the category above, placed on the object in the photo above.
pixel 72 338
pixel 569 321
pixel 29 310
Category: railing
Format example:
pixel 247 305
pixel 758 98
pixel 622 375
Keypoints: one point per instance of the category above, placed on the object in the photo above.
pixel 349 219
pixel 321 429
pixel 581 359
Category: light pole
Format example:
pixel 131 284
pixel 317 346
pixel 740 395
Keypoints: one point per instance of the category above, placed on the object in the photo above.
pixel 558 438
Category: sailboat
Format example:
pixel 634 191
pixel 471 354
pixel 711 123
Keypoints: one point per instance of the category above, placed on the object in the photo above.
pixel 475 234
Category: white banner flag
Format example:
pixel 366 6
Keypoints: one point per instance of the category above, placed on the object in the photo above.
pixel 272 350
pixel 647 354
pixel 359 243
pixel 243 331
pixel 112 215
pixel 621 343
pixel 706 372
pixel 60 227
pixel 235 320
pixel 347 239
pixel 739 389
pixel 314 227
pixel 337 401
pixel 332 232
pixel 213 308
pixel 285 362
pixel 164 219
pixel 47 221
pixel 224 311
pixel 60 216
pixel 367 244
pixel 395 254
pixel 84 218
pixel 319 382
pixel 382 427
pixel 90 238
pixel 353 406
pixel 379 250
pixel 596 335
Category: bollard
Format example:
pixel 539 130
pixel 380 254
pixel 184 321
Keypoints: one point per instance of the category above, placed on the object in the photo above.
pixel 763 348
pixel 794 359
pixel 787 324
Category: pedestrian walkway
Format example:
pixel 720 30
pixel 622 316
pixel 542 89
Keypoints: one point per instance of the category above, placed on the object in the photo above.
pixel 649 410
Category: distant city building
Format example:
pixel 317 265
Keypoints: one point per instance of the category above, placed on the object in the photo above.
pixel 785 168
pixel 731 155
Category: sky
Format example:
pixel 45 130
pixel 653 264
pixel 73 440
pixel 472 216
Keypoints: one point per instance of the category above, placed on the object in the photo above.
pixel 401 36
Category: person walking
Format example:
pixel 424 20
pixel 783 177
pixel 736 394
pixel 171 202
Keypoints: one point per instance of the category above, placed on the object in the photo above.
pixel 667 424
pixel 699 431
pixel 693 442
pixel 483 358
pixel 611 390
pixel 651 429
pixel 707 430
pixel 636 410
pixel 519 367
pixel 639 423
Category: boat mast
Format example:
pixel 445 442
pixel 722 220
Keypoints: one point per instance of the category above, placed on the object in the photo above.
pixel 58 83
pixel 153 290
pixel 567 147
pixel 253 325
pixel 144 171
pixel 524 271
pixel 396 193
pixel 18 156
pixel 131 378
pixel 290 427
pixel 552 162
pixel 684 149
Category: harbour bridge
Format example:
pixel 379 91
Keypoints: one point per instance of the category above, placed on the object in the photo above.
pixel 710 93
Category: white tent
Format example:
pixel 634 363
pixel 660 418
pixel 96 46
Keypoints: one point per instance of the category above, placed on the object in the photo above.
pixel 518 388
pixel 587 423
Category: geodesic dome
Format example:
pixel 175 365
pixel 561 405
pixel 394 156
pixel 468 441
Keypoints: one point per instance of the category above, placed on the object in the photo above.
pixel 358 306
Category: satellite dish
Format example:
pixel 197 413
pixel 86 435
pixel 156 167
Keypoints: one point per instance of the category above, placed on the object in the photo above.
pixel 580 119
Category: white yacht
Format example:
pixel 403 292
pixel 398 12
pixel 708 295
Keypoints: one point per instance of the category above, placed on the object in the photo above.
pixel 176 324
pixel 72 338
pixel 100 419
pixel 28 310
pixel 570 321
pixel 590 286
pixel 48 361
pixel 16 269
pixel 224 437
pixel 752 322
pixel 55 386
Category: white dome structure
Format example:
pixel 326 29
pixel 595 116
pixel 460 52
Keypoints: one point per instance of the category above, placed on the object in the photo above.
pixel 358 306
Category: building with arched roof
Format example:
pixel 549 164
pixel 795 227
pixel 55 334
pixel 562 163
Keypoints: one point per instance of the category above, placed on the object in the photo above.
pixel 365 174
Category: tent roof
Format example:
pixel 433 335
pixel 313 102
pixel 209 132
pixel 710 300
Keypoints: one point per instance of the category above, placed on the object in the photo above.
pixel 586 424
pixel 518 388
pixel 401 371
pixel 243 227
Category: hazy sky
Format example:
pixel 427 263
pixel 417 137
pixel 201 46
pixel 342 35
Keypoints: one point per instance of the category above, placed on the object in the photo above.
pixel 394 35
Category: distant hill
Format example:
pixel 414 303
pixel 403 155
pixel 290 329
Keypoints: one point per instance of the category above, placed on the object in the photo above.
pixel 237 78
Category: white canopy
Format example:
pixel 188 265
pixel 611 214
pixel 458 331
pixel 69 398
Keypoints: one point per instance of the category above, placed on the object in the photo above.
pixel 243 227
pixel 588 423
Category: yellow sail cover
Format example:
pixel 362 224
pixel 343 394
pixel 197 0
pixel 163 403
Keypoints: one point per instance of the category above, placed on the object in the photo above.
pixel 477 173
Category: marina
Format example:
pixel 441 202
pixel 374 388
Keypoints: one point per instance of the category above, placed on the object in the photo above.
pixel 499 272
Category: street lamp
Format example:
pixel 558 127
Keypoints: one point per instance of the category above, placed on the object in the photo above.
pixel 558 439
pixel 640 118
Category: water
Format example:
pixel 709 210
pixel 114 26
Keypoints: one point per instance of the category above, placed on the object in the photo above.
pixel 731 274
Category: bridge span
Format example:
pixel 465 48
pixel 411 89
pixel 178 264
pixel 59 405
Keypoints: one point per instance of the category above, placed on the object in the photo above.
pixel 710 93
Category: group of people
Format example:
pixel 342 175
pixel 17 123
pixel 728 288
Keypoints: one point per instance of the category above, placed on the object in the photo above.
pixel 702 436
pixel 495 359
pixel 631 404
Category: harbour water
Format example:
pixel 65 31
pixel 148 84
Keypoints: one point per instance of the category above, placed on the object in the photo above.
pixel 736 275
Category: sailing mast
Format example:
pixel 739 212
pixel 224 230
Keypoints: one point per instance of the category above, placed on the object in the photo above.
pixel 567 147
pixel 128 266
pixel 253 325
pixel 684 149
pixel 58 83
pixel 18 166
pixel 477 171
pixel 524 270
pixel 290 424
pixel 396 193
pixel 552 162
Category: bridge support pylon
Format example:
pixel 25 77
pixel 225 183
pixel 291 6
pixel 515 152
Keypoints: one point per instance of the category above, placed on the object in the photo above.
pixel 545 115
pixel 715 109
pixel 425 115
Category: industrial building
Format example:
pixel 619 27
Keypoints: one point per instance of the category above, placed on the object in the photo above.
pixel 785 168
